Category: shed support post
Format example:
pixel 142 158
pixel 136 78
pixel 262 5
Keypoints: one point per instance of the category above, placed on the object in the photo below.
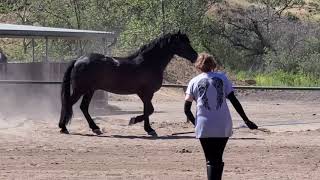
pixel 46 49
pixel 104 41
pixel 32 41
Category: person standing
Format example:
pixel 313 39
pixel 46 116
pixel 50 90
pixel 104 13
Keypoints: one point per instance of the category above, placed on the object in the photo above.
pixel 213 123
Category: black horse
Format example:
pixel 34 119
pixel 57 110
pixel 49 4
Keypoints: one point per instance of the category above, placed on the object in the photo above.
pixel 140 73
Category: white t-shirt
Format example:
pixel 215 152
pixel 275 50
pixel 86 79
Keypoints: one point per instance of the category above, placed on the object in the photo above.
pixel 213 118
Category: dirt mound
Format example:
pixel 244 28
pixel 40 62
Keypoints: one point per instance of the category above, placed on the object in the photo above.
pixel 181 71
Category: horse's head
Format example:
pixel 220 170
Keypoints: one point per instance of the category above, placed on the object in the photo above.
pixel 180 45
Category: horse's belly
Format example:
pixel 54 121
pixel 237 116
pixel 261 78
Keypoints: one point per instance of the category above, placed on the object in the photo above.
pixel 121 86
pixel 123 91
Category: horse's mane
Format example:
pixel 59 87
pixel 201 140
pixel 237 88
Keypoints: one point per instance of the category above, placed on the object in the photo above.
pixel 159 42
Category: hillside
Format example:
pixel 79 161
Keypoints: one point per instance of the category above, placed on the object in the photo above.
pixel 237 32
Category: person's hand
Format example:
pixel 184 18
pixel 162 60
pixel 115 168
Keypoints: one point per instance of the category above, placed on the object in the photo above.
pixel 251 125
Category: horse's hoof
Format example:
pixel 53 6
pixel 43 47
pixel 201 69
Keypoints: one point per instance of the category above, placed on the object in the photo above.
pixel 97 131
pixel 132 121
pixel 153 134
pixel 64 131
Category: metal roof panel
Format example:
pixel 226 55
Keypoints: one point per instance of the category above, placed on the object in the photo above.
pixel 20 31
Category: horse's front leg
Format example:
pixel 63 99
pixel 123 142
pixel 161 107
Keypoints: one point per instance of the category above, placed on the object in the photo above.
pixel 147 111
pixel 136 119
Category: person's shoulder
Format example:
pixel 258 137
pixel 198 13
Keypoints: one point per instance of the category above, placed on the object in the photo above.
pixel 195 79
pixel 222 75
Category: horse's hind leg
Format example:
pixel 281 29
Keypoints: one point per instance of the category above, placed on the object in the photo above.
pixel 66 113
pixel 85 110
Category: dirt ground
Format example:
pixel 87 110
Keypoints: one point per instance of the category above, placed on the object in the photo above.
pixel 286 147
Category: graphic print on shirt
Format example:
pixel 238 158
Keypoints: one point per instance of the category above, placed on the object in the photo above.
pixel 218 84
pixel 202 92
pixel 203 85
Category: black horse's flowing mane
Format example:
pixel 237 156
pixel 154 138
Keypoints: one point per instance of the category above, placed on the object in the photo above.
pixel 159 43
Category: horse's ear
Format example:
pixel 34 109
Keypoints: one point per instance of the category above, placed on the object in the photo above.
pixel 179 32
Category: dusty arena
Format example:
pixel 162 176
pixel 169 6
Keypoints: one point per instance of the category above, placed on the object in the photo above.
pixel 286 147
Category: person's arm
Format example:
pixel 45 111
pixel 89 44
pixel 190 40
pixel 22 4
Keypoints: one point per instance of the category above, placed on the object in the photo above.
pixel 187 109
pixel 236 104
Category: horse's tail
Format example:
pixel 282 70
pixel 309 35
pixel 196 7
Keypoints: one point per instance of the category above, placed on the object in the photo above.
pixel 66 105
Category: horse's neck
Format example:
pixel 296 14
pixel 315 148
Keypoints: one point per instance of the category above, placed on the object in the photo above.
pixel 159 60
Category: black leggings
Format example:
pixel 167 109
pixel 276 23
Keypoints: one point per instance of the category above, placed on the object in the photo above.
pixel 213 149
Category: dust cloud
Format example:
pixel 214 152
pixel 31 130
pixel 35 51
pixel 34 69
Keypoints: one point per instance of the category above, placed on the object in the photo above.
pixel 22 102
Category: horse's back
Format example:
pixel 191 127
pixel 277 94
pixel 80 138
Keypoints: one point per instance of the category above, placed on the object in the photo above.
pixel 94 59
pixel 97 71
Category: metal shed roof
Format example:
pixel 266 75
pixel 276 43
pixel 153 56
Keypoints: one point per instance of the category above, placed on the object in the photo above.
pixel 22 31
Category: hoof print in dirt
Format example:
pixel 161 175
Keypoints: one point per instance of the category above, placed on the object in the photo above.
pixel 184 151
